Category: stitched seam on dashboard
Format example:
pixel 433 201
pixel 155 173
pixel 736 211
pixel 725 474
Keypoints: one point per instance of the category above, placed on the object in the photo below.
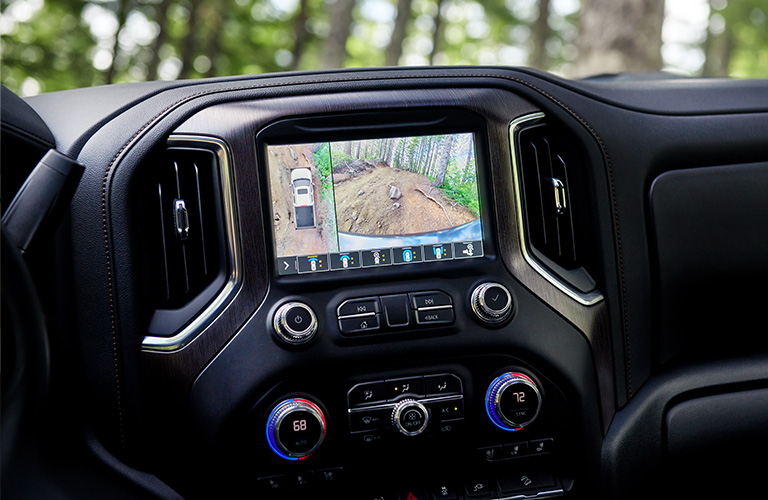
pixel 196 95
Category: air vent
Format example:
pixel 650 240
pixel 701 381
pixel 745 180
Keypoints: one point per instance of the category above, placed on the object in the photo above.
pixel 187 226
pixel 552 203
pixel 188 251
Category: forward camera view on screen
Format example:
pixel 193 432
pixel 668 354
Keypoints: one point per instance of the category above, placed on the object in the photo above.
pixel 375 202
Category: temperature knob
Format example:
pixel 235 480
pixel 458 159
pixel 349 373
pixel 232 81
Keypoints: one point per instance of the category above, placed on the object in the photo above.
pixel 295 429
pixel 512 401
pixel 410 417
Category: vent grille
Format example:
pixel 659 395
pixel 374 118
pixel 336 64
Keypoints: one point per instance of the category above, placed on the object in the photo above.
pixel 547 195
pixel 187 226
pixel 553 205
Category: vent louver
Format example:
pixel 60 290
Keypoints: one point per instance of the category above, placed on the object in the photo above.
pixel 186 226
pixel 551 198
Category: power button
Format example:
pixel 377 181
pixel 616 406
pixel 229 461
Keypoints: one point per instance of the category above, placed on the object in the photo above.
pixel 295 323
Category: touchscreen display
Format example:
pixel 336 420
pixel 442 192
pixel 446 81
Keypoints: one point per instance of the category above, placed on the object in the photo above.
pixel 374 202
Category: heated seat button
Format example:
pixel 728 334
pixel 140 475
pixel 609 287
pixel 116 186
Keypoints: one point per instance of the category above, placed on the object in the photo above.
pixel 396 310
pixel 515 450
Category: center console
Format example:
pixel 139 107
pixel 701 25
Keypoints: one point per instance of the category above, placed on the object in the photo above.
pixel 393 354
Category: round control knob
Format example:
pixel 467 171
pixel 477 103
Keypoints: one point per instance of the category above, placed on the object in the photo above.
pixel 410 417
pixel 295 323
pixel 295 429
pixel 512 401
pixel 492 303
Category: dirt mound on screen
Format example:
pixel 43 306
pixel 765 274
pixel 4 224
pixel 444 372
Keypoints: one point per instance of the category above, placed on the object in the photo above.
pixel 389 201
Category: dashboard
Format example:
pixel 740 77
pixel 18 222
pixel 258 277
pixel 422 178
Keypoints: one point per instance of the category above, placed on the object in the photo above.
pixel 466 283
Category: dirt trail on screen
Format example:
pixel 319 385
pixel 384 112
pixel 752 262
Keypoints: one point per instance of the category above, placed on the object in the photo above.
pixel 364 205
pixel 292 241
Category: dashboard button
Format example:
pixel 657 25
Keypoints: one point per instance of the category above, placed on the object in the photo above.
pixel 413 386
pixel 367 393
pixel 363 324
pixel 329 476
pixel 396 310
pixel 367 420
pixel 490 453
pixel 354 307
pixel 273 483
pixel 301 480
pixel 524 480
pixel 420 300
pixel 447 410
pixel 442 385
pixel 444 492
pixel 295 323
pixel 515 450
pixel 541 446
pixel 411 494
pixel 492 303
pixel 441 429
pixel 478 488
pixel 410 417
pixel 437 316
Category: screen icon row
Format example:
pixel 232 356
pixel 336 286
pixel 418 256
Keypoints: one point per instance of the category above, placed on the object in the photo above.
pixel 379 257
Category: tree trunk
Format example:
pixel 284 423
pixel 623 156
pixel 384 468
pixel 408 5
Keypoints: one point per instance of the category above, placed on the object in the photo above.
pixel 718 48
pixel 539 36
pixel 335 48
pixel 189 46
pixel 122 16
pixel 213 45
pixel 162 36
pixel 442 164
pixel 619 36
pixel 395 47
pixel 437 34
pixel 299 33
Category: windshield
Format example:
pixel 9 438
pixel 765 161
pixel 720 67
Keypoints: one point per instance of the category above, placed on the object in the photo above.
pixel 64 44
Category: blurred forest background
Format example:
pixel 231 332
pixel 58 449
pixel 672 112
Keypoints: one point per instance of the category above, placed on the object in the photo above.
pixel 53 45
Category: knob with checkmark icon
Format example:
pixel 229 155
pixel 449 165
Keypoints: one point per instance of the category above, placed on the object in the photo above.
pixel 492 303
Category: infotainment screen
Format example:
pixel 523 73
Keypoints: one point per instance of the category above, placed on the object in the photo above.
pixel 375 202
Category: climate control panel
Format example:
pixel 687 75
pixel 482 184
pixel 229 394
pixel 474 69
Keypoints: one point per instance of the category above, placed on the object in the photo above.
pixel 484 420
pixel 411 406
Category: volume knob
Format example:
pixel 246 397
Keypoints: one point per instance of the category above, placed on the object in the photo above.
pixel 295 323
pixel 513 401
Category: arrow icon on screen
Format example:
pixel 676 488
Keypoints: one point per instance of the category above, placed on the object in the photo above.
pixel 287 265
